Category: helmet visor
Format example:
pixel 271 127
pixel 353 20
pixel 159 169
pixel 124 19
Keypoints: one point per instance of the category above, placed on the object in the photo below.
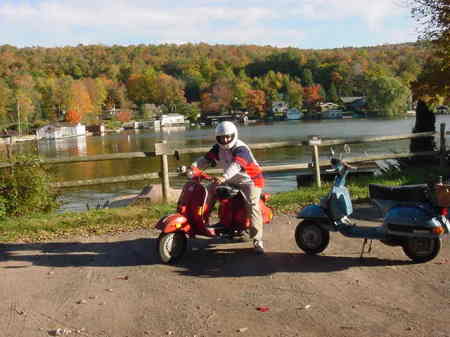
pixel 225 139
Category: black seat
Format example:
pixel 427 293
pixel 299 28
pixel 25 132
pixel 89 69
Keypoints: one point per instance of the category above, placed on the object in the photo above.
pixel 226 192
pixel 408 193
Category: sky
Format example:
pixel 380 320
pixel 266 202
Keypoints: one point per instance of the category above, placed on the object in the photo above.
pixel 305 24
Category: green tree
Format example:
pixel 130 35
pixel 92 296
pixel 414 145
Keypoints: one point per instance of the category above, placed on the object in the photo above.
pixel 295 95
pixel 307 78
pixel 387 96
pixel 332 94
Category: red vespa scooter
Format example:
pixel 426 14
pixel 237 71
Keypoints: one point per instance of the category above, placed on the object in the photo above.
pixel 193 214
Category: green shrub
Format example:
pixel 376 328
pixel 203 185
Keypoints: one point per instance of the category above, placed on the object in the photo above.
pixel 25 188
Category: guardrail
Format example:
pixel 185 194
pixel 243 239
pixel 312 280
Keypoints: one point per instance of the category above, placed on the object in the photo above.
pixel 163 150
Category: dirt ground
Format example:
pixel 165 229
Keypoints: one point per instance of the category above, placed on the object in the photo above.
pixel 114 286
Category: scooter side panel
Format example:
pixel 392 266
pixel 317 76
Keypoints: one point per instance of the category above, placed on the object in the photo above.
pixel 172 223
pixel 410 220
pixel 409 216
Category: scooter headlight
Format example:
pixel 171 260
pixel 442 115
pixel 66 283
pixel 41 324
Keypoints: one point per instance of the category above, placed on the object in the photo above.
pixel 189 174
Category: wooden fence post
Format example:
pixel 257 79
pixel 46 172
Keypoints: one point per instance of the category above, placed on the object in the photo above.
pixel 162 149
pixel 443 149
pixel 315 141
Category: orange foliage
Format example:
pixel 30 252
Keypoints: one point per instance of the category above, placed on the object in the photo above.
pixel 312 95
pixel 124 115
pixel 73 116
pixel 256 101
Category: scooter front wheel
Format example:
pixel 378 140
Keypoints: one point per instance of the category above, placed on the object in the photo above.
pixel 171 246
pixel 422 250
pixel 311 237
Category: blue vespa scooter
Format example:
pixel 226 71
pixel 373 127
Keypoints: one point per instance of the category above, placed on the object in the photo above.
pixel 411 218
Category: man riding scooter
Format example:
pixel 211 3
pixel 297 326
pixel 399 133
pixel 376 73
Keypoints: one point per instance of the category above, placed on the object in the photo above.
pixel 240 170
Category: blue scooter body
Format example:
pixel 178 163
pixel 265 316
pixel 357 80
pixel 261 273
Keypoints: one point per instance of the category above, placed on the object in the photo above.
pixel 404 220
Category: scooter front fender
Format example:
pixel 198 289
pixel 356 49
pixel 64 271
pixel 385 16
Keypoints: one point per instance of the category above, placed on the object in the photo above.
pixel 312 212
pixel 172 223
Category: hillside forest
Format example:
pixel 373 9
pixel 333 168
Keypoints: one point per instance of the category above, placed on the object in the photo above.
pixel 41 85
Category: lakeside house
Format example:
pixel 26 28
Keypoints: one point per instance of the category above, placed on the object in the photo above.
pixel 294 114
pixel 172 119
pixel 356 104
pixel 60 130
pixel 331 114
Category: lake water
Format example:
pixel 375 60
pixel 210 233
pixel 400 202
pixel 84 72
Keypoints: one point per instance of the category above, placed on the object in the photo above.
pixel 144 140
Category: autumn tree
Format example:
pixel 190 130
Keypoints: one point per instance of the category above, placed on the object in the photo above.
pixel 168 91
pixel 26 99
pixel 96 89
pixel 433 83
pixel 241 87
pixel 73 116
pixel 80 101
pixel 6 101
pixel 435 16
pixel 256 102
pixel 218 97
pixel 124 115
pixel 312 96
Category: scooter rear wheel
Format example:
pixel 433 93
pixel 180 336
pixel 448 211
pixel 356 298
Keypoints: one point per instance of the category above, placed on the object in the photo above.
pixel 311 237
pixel 422 250
pixel 171 246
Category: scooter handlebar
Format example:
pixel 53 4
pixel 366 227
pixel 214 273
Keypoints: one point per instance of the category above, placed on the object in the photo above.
pixel 195 173
pixel 335 162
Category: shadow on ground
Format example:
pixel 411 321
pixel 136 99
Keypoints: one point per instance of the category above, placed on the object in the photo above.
pixel 203 259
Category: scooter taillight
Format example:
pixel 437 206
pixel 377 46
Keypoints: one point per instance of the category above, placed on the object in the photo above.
pixel 444 211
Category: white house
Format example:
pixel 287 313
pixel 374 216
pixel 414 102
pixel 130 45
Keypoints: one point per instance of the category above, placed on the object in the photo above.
pixel 171 119
pixel 60 130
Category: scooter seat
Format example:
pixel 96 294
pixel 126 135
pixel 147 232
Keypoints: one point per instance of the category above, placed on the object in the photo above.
pixel 406 193
pixel 226 192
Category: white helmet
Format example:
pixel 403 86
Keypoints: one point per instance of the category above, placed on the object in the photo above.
pixel 224 129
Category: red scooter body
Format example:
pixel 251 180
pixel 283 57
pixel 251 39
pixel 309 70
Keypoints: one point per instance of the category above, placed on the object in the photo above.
pixel 193 216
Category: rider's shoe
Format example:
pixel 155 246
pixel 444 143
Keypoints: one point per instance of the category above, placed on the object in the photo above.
pixel 258 246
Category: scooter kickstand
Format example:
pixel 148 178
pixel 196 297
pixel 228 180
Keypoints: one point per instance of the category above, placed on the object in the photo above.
pixel 364 246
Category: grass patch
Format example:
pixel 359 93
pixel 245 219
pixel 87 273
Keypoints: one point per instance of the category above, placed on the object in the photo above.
pixel 101 221
pixel 56 226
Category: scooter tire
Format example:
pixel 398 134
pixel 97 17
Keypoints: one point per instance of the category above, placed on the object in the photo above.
pixel 311 237
pixel 171 247
pixel 411 248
